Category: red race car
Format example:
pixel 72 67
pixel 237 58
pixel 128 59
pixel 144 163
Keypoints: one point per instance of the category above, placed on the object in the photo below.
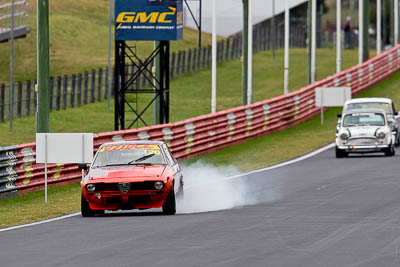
pixel 131 175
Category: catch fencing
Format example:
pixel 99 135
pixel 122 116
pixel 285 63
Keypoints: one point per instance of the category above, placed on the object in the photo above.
pixel 20 20
pixel 203 134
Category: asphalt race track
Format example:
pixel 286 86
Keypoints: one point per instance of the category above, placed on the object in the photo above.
pixel 320 212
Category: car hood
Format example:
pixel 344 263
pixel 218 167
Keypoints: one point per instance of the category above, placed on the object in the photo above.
pixel 363 130
pixel 140 173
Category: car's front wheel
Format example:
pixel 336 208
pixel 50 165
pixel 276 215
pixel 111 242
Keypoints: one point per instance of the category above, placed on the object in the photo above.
pixel 389 152
pixel 340 153
pixel 169 207
pixel 86 211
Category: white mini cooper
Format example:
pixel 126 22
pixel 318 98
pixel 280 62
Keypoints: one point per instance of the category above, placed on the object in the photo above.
pixel 365 131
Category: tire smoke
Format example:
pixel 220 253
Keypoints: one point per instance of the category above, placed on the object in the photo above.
pixel 208 189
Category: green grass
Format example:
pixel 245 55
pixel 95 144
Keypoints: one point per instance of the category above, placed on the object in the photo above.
pixel 31 207
pixel 257 153
pixel 190 94
pixel 78 40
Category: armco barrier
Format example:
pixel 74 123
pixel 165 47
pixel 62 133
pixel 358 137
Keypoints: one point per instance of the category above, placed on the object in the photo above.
pixel 202 134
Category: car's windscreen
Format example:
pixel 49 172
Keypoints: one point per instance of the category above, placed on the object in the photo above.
pixel 363 119
pixel 370 105
pixel 128 155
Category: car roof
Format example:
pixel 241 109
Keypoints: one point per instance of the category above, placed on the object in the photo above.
pixel 365 110
pixel 369 100
pixel 136 142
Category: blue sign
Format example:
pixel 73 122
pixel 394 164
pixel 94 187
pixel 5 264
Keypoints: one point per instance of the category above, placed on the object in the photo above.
pixel 145 20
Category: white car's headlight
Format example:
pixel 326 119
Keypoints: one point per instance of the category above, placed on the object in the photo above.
pixel 381 135
pixel 344 136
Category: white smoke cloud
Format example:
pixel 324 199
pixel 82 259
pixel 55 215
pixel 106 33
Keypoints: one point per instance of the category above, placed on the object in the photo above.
pixel 208 188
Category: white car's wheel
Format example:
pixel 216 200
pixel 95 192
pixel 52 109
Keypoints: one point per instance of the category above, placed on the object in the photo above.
pixel 389 152
pixel 340 153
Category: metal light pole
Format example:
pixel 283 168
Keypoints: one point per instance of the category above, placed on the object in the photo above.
pixel 214 58
pixel 378 27
pixel 250 55
pixel 314 42
pixel 365 33
pixel 43 66
pixel 245 51
pixel 286 67
pixel 108 85
pixel 396 22
pixel 360 31
pixel 11 107
pixel 309 37
pixel 273 29
pixel 338 35
pixel 391 22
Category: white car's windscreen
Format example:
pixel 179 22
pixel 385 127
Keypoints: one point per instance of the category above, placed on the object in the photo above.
pixel 369 105
pixel 128 154
pixel 364 119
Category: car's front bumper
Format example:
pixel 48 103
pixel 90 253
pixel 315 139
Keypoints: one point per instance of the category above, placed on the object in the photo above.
pixel 132 200
pixel 363 149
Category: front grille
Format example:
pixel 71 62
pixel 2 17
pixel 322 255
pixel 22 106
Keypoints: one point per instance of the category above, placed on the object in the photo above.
pixel 148 185
pixel 113 200
pixel 139 199
pixel 362 142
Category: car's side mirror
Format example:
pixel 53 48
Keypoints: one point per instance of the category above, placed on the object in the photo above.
pixel 339 115
pixel 82 166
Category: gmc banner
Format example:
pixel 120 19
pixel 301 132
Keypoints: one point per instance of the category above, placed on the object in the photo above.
pixel 146 20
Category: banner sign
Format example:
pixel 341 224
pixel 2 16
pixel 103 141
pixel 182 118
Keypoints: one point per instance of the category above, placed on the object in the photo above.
pixel 146 20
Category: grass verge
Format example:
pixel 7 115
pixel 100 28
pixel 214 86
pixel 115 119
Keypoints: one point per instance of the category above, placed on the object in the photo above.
pixel 257 153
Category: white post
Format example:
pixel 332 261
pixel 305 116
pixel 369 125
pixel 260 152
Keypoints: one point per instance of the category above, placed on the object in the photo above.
pixel 396 22
pixel 214 58
pixel 250 54
pixel 378 27
pixel 360 31
pixel 314 41
pixel 338 35
pixel 45 168
pixel 83 154
pixel 287 31
pixel 322 106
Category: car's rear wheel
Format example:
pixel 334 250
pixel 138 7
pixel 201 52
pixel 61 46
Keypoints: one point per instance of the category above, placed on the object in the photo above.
pixel 340 153
pixel 169 207
pixel 86 211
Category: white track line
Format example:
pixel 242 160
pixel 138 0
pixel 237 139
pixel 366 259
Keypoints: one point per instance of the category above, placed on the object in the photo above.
pixel 41 222
pixel 307 156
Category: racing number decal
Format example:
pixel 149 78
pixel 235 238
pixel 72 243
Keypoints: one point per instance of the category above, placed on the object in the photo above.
pixel 152 151
pixel 121 147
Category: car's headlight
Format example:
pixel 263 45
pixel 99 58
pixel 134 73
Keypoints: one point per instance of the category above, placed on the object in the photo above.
pixel 158 185
pixel 381 135
pixel 344 136
pixel 90 187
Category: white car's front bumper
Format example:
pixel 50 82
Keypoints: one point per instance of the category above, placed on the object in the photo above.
pixel 364 144
pixel 363 149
